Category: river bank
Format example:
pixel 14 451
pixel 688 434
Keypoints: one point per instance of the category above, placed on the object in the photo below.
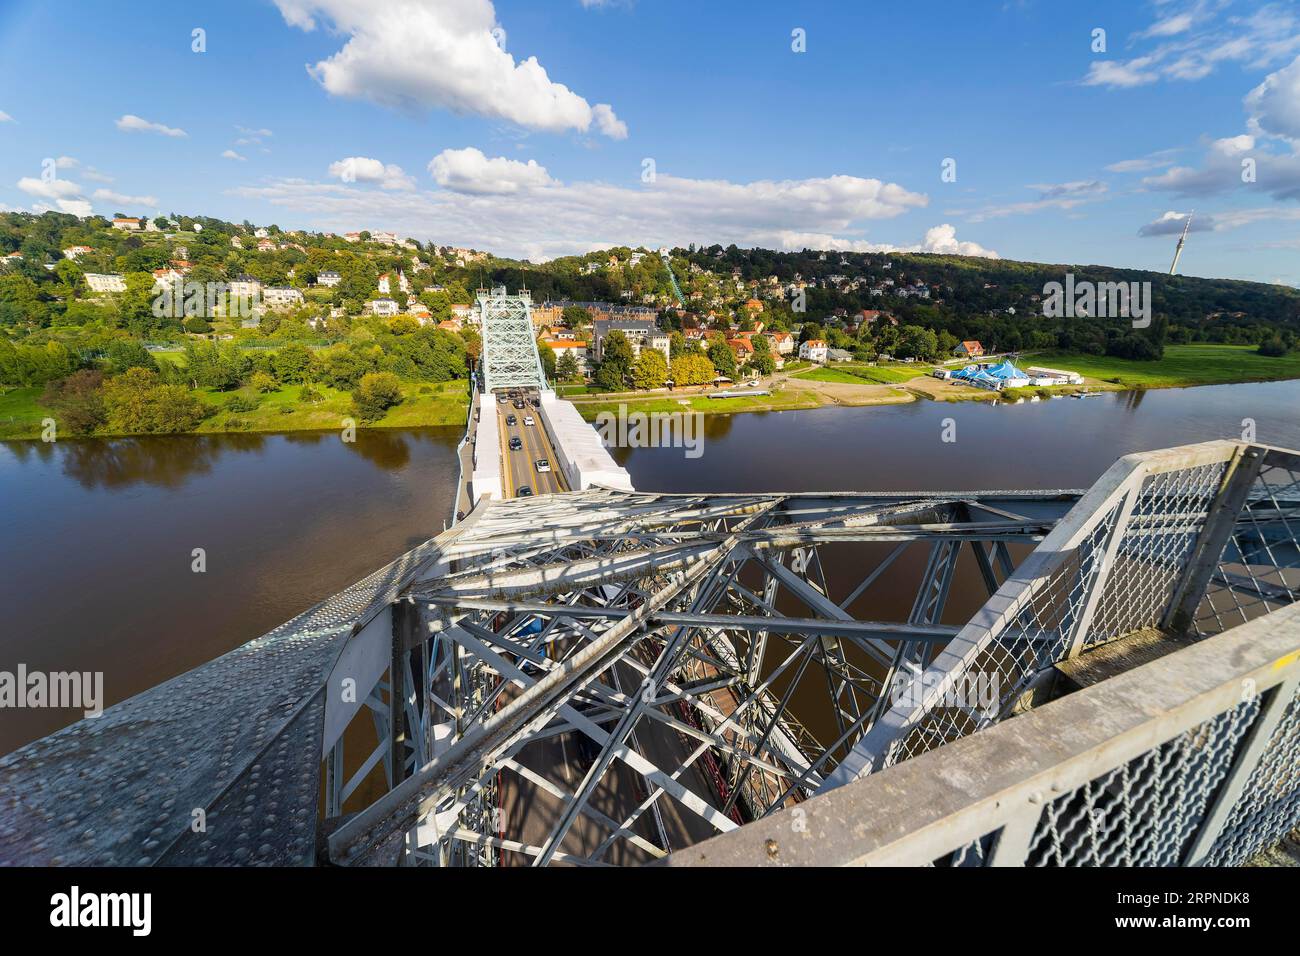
pixel 280 410
pixel 802 387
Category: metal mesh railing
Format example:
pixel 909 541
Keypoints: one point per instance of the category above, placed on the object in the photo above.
pixel 1145 812
pixel 1269 804
pixel 1259 570
pixel 1159 538
pixel 1114 567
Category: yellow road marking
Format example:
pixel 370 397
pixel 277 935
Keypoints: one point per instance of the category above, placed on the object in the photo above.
pixel 502 440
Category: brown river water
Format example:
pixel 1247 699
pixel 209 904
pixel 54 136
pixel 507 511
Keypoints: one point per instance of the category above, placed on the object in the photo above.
pixel 97 536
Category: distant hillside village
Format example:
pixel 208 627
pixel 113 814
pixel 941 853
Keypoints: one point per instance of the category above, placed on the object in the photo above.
pixel 98 294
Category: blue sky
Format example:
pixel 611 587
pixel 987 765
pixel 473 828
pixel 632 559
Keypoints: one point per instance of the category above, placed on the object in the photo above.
pixel 525 127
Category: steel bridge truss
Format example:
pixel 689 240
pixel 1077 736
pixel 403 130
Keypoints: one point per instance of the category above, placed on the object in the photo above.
pixel 601 678
pixel 510 358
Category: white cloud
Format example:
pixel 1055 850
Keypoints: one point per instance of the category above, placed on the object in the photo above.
pixel 1192 40
pixel 1172 223
pixel 1115 74
pixel 941 240
pixel 1156 160
pixel 469 171
pixel 416 56
pixel 51 189
pixel 231 154
pixel 577 217
pixel 1274 105
pixel 75 207
pixel 134 124
pixel 361 169
pixel 5 117
pixel 1051 196
pixel 121 199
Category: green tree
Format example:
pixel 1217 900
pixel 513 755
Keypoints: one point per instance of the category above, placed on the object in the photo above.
pixel 692 369
pixel 291 364
pixel 262 382
pixel 615 363
pixel 566 368
pixel 77 401
pixel 137 402
pixel 650 369
pixel 723 359
pixel 375 394
pixel 547 355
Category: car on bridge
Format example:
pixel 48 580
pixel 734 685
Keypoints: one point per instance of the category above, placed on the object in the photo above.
pixel 516 444
pixel 511 420
pixel 528 420
pixel 524 492
pixel 542 465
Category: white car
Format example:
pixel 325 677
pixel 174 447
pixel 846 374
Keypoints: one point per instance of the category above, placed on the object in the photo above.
pixel 542 465
pixel 528 420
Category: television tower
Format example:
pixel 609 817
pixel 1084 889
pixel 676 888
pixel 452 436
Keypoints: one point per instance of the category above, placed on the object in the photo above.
pixel 1178 253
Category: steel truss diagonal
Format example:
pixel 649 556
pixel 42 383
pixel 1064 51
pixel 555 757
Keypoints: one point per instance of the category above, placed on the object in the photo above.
pixel 606 678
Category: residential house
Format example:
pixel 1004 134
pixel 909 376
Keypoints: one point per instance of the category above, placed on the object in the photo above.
pixel 563 347
pixel 245 286
pixel 277 297
pixel 128 223
pixel 266 245
pixel 76 252
pixel 743 349
pixel 970 349
pixel 330 279
pixel 110 282
pixel 782 343
pixel 640 333
pixel 386 283
pixel 384 307
pixel 814 350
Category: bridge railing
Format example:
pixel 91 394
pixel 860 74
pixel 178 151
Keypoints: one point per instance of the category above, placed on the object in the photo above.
pixel 1191 759
pixel 1197 538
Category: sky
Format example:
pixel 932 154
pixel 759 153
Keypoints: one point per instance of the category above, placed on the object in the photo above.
pixel 1025 129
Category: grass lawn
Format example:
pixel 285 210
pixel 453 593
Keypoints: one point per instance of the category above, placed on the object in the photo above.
pixel 784 399
pixel 829 375
pixel 283 409
pixel 858 374
pixel 1182 365
pixel 20 416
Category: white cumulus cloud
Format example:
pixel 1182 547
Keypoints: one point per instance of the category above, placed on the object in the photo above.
pixel 362 169
pixel 231 154
pixel 473 210
pixel 134 124
pixel 1274 105
pixel 469 171
pixel 414 56
pixel 51 189
pixel 5 117
pixel 122 199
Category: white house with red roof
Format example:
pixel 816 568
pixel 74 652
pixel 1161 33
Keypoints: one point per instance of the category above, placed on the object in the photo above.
pixel 814 350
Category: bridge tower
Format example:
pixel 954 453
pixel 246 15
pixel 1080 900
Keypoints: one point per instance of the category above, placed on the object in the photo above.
pixel 510 358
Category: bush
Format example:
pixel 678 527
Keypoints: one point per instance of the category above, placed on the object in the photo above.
pixel 77 401
pixel 310 395
pixel 262 382
pixel 1273 348
pixel 137 402
pixel 1137 347
pixel 242 403
pixel 375 394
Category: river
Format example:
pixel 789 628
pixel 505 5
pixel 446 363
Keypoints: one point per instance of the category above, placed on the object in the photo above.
pixel 96 572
